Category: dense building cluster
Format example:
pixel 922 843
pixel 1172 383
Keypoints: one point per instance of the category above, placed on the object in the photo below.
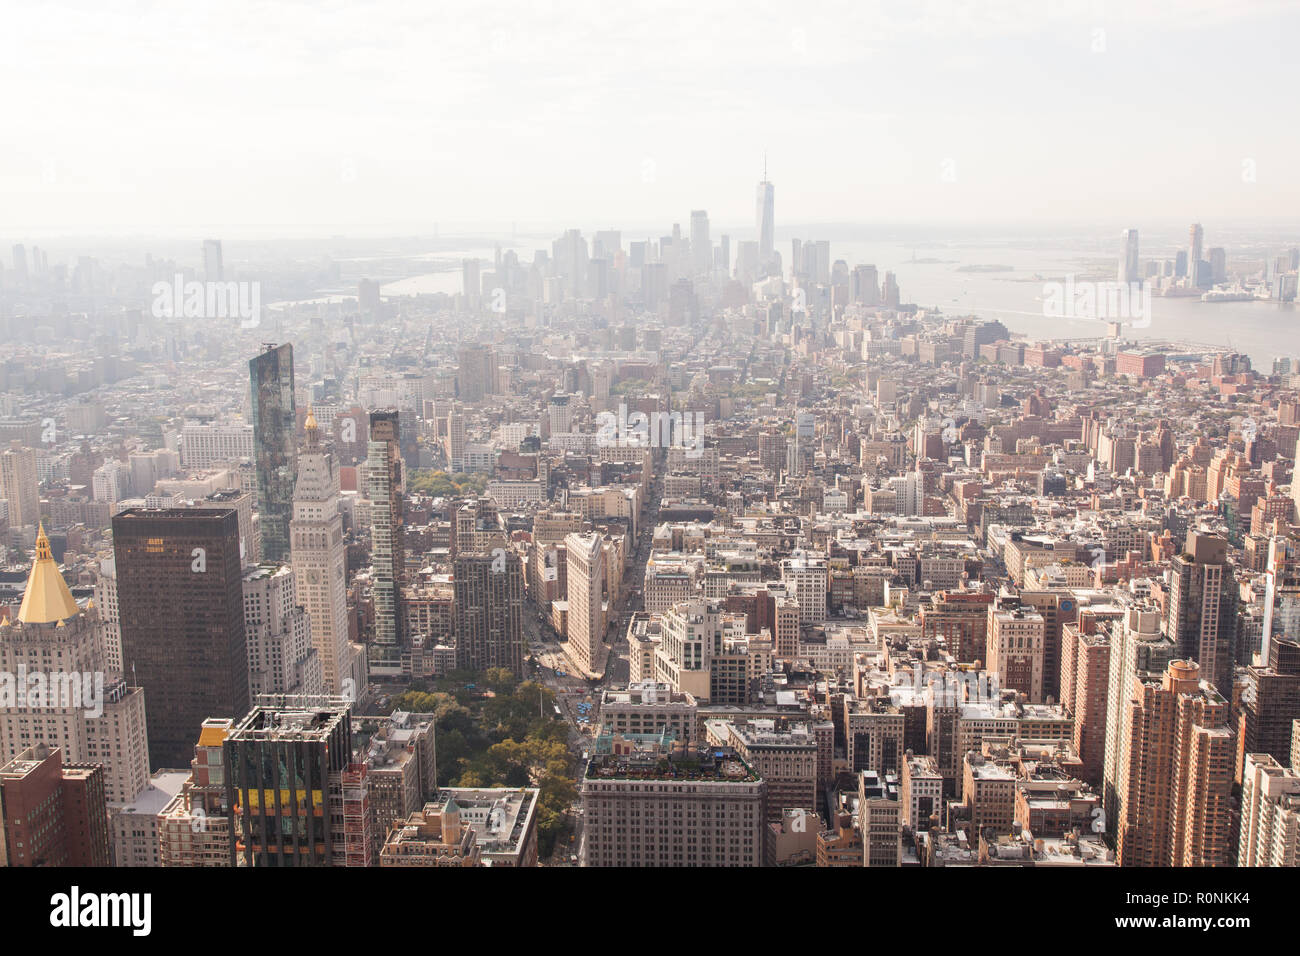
pixel 817 576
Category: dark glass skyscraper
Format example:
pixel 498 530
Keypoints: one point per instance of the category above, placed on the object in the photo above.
pixel 274 446
pixel 180 601
pixel 285 762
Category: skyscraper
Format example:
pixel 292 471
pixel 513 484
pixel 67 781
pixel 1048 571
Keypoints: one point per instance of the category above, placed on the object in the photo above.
pixel 475 372
pixel 1195 240
pixel 277 630
pixel 319 558
pixel 285 764
pixel 569 253
pixel 19 485
pixel 561 417
pixel 586 570
pixel 1218 260
pixel 890 292
pixel 90 720
pixel 275 449
pixel 1176 773
pixel 455 440
pixel 181 612
pixel 471 284
pixel 1138 647
pixel 489 609
pixel 701 246
pixel 213 268
pixel 866 285
pixel 765 226
pixel 1270 702
pixel 384 488
pixel 1202 613
pixel 1128 262
pixel 1270 813
pixel 20 264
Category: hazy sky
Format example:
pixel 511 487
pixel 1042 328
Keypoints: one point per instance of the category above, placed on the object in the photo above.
pixel 212 116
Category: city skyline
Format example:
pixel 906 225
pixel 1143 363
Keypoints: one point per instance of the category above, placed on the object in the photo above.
pixel 846 436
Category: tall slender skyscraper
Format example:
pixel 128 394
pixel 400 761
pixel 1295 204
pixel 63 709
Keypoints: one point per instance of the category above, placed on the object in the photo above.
pixel 274 447
pixel 180 599
pixel 1128 263
pixel 1195 239
pixel 320 558
pixel 586 566
pixel 764 216
pixel 213 268
pixel 20 264
pixel 701 245
pixel 384 487
pixel 1138 650
pixel 455 440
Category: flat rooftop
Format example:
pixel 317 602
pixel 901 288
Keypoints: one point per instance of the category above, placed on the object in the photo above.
pixel 720 764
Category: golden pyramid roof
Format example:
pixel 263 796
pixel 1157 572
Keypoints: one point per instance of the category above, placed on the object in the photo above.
pixel 47 598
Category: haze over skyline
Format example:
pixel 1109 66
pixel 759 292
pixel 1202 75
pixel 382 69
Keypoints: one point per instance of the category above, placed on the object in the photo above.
pixel 588 115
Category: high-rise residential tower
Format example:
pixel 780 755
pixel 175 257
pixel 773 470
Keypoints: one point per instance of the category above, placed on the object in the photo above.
pixel 20 486
pixel 1176 772
pixel 384 487
pixel 1138 648
pixel 1202 612
pixel 456 440
pixel 275 449
pixel 1269 834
